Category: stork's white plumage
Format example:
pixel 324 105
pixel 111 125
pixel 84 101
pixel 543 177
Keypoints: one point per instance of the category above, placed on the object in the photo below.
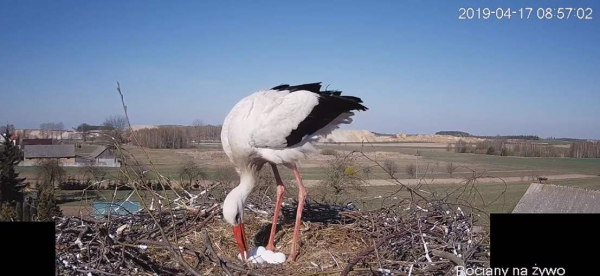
pixel 278 126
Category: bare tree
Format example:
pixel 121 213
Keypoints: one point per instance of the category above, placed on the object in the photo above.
pixel 390 167
pixel 50 172
pixel 340 177
pixel 198 126
pixel 115 128
pixel 191 171
pixel 85 131
pixel 165 137
pixel 11 129
pixel 451 168
pixel 411 170
pixel 367 171
pixel 48 129
pixel 226 175
pixel 91 173
pixel 198 123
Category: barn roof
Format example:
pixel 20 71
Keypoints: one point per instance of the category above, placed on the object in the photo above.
pixel 545 198
pixel 49 151
pixel 27 141
pixel 99 150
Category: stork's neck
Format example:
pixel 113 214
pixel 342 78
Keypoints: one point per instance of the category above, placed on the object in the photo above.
pixel 248 178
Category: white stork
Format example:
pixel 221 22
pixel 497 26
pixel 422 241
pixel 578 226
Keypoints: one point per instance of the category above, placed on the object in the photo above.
pixel 278 126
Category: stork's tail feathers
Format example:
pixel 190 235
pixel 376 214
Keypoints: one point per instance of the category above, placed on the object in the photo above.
pixel 350 102
pixel 333 109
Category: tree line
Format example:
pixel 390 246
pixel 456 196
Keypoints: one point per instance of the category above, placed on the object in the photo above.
pixel 176 137
pixel 585 150
pixel 526 149
pixel 456 133
pixel 505 148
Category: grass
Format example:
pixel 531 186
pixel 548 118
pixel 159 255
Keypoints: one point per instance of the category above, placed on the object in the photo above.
pixel 85 149
pixel 491 162
pixel 368 199
pixel 495 198
pixel 586 183
pixel 491 198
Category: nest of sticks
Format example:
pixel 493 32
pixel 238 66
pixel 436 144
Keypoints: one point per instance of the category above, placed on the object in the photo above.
pixel 191 238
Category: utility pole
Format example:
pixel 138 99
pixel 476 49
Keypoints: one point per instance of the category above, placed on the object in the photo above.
pixel 417 166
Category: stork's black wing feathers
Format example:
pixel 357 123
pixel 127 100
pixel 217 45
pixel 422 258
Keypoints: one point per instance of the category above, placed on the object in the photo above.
pixel 331 105
pixel 312 87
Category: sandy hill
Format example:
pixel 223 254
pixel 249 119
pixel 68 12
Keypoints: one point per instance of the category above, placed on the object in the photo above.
pixel 358 136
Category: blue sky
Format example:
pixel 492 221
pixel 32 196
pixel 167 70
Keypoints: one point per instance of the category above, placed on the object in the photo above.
pixel 416 66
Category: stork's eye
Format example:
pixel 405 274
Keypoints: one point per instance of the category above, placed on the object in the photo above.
pixel 237 218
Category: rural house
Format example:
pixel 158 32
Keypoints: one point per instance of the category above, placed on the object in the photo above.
pixel 14 138
pixel 104 157
pixel 65 154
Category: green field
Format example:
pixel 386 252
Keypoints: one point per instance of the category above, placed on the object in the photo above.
pixel 491 198
pixel 431 159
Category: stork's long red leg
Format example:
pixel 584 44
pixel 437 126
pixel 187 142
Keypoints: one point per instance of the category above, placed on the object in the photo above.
pixel 280 193
pixel 301 197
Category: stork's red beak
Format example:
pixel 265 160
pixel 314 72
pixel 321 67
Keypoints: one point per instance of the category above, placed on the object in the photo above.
pixel 240 238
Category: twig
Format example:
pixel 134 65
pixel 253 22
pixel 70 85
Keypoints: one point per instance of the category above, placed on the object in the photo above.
pixel 446 255
pixel 223 264
pixel 367 252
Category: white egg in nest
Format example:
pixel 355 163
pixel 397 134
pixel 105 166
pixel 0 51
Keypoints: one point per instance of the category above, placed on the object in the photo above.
pixel 261 255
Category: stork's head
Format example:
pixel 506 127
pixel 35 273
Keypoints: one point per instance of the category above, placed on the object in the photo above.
pixel 233 213
pixel 233 207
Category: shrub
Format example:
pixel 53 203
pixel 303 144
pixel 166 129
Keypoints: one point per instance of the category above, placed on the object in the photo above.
pixel 124 187
pixel 226 177
pixel 49 171
pixel 367 171
pixel 411 170
pixel 72 185
pixel 451 168
pixel 490 151
pixel 190 171
pixel 350 171
pixel 340 177
pixel 461 146
pixel 7 212
pixel 91 173
pixel 390 167
pixel 47 207
pixel 449 147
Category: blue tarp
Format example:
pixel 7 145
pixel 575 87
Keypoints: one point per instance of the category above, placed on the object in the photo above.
pixel 102 208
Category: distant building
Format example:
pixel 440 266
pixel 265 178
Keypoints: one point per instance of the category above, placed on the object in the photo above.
pixel 65 154
pixel 50 134
pixel 26 142
pixel 104 157
pixel 14 139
